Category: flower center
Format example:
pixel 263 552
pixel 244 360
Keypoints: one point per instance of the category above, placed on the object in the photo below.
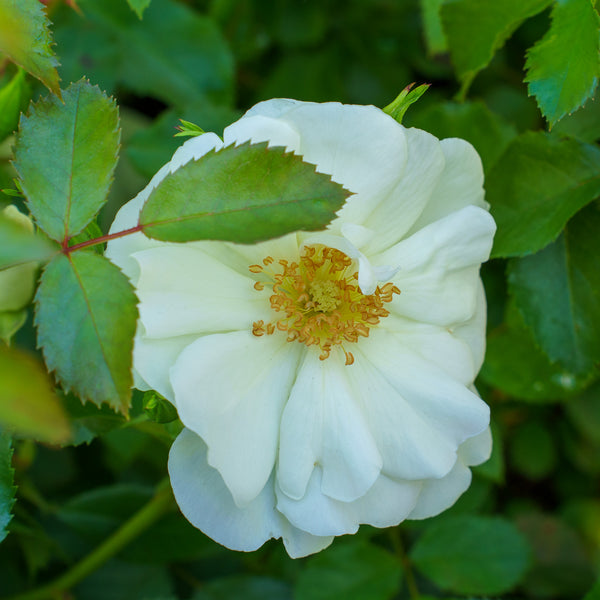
pixel 319 300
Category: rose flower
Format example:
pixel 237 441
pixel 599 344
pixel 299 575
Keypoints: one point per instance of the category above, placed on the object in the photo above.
pixel 324 379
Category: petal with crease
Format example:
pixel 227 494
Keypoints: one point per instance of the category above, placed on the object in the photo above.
pixel 459 185
pixel 439 268
pixel 387 503
pixel 323 424
pixel 206 502
pixel 237 412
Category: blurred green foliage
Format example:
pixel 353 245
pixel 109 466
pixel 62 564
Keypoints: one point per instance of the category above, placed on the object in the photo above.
pixel 529 525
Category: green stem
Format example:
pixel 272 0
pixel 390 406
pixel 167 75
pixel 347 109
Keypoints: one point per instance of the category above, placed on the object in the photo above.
pixel 411 583
pixel 140 521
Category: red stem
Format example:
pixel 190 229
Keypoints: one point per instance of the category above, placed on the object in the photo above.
pixel 101 239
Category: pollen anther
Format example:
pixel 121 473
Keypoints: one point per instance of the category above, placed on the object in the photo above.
pixel 319 302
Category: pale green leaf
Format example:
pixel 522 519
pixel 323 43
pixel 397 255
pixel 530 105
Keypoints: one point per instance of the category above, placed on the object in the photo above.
pixel 432 24
pixel 472 555
pixel 563 67
pixel 25 39
pixel 86 318
pixel 475 30
pixel 537 185
pixel 10 322
pixel 558 292
pixel 28 406
pixel 7 488
pixel 13 99
pixel 351 569
pixel 246 193
pixel 139 6
pixel 65 156
pixel 19 245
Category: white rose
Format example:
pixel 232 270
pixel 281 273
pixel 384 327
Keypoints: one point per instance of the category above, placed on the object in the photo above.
pixel 315 400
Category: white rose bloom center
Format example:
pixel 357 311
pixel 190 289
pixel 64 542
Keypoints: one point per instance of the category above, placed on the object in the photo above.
pixel 324 380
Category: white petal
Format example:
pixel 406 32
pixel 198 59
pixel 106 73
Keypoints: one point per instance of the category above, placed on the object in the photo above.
pixel 393 217
pixel 183 290
pixel 439 494
pixel 359 146
pixel 120 250
pixel 207 504
pixel 230 389
pixel 460 184
pixel 275 108
pixel 323 423
pixel 257 129
pixel 417 413
pixel 448 350
pixel 153 358
pixel 476 450
pixel 193 149
pixel 439 268
pixel 240 256
pixel 300 543
pixel 387 503
pixel 473 330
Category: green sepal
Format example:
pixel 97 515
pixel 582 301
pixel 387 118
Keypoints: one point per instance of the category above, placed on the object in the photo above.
pixel 158 408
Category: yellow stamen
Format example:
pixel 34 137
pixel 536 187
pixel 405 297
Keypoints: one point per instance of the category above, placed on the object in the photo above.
pixel 320 301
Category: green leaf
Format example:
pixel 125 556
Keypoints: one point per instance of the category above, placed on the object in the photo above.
pixel 19 244
pixel 515 365
pixel 539 180
pixel 532 450
pixel 558 292
pixel 86 317
pixel 432 25
pixel 561 567
pixel 472 121
pixel 583 124
pixel 173 54
pixel 25 39
pixel 119 580
pixel 65 156
pixel 563 67
pixel 28 406
pixel 350 569
pixel 246 193
pixel 584 413
pixel 475 30
pixel 139 6
pixel 246 587
pixel 14 97
pixel 472 555
pixel 594 593
pixel 7 488
pixel 89 421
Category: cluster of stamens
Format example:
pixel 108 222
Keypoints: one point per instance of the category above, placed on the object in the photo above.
pixel 320 300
